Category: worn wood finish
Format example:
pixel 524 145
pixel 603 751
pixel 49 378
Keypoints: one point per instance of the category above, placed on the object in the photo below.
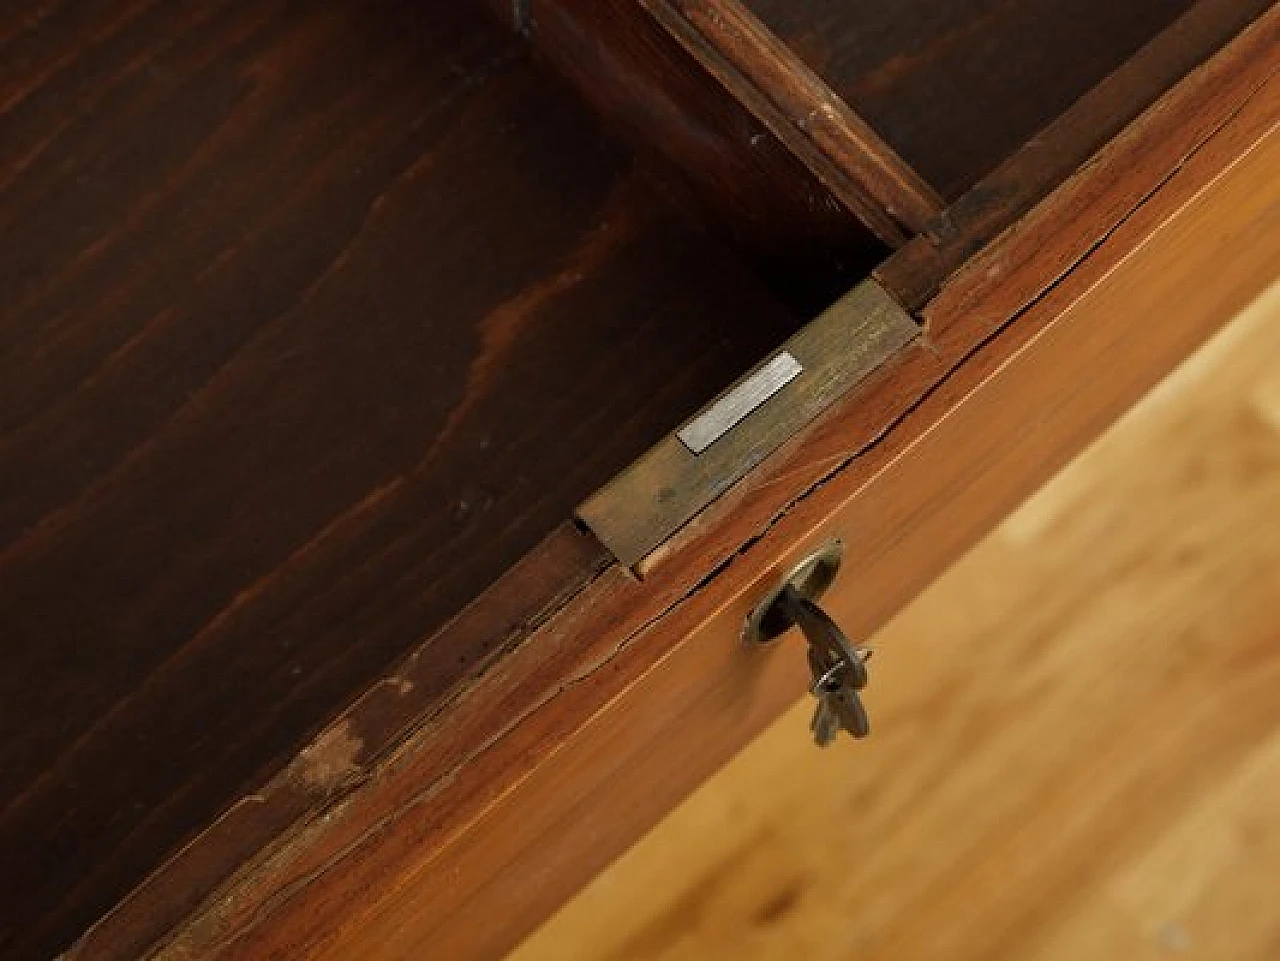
pixel 956 88
pixel 917 271
pixel 809 238
pixel 316 319
pixel 422 685
pixel 1077 746
pixel 578 727
pixel 992 286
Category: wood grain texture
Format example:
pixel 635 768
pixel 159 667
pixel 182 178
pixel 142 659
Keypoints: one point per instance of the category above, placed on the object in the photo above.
pixel 920 268
pixel 956 88
pixel 603 697
pixel 809 238
pixel 1037 100
pixel 1077 747
pixel 316 319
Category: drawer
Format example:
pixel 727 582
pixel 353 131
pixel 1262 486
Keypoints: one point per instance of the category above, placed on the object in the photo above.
pixel 405 408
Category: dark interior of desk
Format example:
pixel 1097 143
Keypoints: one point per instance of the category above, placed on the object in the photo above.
pixel 316 317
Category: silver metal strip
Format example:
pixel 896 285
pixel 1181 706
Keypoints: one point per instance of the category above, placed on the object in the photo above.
pixel 726 413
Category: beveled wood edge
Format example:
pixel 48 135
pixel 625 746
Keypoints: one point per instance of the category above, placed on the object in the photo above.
pixel 341 756
pixel 920 268
pixel 839 147
pixel 569 647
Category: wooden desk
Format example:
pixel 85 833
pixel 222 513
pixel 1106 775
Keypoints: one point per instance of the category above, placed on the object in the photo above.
pixel 319 322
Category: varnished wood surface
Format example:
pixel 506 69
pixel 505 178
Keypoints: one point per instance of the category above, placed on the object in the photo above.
pixel 529 782
pixel 955 88
pixel 315 319
pixel 1077 736
pixel 337 760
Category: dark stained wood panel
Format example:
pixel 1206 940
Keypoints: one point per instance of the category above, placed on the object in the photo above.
pixel 315 319
pixel 955 86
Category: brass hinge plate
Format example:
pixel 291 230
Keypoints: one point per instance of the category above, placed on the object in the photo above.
pixel 653 498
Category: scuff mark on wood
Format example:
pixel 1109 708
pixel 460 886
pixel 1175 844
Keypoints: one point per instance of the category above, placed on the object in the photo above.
pixel 329 763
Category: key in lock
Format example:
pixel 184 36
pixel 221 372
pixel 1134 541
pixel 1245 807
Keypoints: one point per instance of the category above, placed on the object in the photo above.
pixel 838 667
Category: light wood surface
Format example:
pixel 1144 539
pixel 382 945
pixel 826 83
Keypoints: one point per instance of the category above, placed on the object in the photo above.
pixel 1078 733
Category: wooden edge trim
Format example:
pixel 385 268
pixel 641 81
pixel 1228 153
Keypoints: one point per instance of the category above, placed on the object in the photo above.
pixel 816 125
pixel 920 268
pixel 340 758
pixel 1067 225
pixel 425 807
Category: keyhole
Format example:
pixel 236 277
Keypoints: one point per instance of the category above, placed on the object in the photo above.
pixel 810 578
